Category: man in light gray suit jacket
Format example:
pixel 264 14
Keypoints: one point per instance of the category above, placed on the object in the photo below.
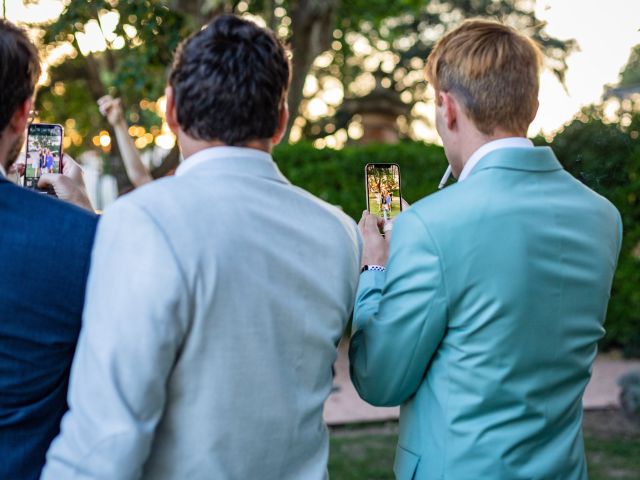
pixel 217 297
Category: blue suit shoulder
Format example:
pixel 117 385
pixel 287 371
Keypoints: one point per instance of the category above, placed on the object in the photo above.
pixel 44 209
pixel 45 257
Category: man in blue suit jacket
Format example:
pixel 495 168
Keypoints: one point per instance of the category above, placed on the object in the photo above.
pixel 484 326
pixel 45 247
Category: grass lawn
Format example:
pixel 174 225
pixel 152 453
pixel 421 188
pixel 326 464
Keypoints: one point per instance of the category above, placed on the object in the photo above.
pixel 366 452
pixel 375 208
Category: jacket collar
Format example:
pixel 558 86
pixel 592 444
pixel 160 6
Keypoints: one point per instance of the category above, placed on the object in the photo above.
pixel 538 159
pixel 232 160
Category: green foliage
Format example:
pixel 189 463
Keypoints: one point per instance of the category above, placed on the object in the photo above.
pixel 611 456
pixel 630 393
pixel 630 74
pixel 409 31
pixel 151 30
pixel 606 157
pixel 337 176
pixel 138 68
pixel 133 67
pixel 361 452
pixel 375 11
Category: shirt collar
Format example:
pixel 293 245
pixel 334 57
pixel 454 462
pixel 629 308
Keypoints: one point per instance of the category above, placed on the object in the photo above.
pixel 3 172
pixel 484 150
pixel 232 161
pixel 219 153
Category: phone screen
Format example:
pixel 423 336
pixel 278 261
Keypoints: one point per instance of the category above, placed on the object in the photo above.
pixel 383 189
pixel 44 149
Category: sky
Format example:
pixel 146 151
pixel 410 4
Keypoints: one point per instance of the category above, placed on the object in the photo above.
pixel 605 30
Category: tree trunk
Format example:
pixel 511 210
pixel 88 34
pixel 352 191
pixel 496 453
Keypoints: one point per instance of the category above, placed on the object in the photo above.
pixel 312 23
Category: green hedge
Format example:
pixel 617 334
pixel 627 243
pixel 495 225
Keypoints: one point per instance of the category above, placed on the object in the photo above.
pixel 338 175
pixel 602 156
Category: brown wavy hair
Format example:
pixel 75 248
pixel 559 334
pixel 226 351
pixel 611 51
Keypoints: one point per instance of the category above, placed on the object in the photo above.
pixel 492 70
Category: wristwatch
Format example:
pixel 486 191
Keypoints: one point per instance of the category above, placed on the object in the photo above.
pixel 373 268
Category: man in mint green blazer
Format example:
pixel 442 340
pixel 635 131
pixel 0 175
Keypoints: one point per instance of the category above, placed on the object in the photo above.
pixel 482 320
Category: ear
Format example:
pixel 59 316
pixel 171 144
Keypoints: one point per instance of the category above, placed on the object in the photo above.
pixel 170 112
pixel 20 118
pixel 283 119
pixel 534 112
pixel 450 107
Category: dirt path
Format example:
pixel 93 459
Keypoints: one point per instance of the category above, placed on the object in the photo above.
pixel 344 406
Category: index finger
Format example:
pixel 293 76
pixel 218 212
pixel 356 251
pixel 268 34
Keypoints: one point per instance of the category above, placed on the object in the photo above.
pixel 362 220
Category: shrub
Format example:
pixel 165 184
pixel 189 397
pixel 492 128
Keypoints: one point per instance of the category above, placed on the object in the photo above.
pixel 630 393
pixel 338 175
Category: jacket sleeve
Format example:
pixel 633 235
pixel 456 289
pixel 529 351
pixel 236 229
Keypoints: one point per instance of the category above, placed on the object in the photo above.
pixel 134 322
pixel 399 319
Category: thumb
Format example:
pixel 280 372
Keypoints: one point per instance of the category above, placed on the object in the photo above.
pixel 49 180
pixel 371 223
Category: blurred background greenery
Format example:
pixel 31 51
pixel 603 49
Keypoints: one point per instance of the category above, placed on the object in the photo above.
pixel 358 95
pixel 355 62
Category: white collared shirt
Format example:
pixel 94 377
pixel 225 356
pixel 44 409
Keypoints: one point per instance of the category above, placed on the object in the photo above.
pixel 214 153
pixel 484 150
pixel 3 172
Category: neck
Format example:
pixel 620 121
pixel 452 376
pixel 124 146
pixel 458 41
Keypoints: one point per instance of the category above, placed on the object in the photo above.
pixel 190 146
pixel 477 139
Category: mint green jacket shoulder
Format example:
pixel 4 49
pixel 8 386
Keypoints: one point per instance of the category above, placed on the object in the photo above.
pixel 485 325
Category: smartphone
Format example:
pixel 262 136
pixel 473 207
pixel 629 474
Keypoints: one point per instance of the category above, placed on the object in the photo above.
pixel 383 194
pixel 44 151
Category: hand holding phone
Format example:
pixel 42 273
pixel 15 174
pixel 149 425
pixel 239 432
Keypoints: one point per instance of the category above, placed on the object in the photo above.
pixel 44 152
pixel 68 185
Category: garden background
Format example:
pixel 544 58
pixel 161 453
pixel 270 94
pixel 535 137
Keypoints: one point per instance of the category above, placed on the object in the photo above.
pixel 358 96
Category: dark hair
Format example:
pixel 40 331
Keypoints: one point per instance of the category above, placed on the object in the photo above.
pixel 19 70
pixel 230 80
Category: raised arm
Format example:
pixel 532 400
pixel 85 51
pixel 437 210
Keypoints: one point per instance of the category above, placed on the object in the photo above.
pixel 136 171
